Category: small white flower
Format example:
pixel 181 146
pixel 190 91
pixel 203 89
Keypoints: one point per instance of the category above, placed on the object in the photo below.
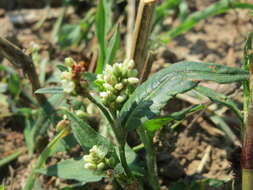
pixel 108 69
pixel 68 86
pixel 119 86
pixel 133 80
pixel 107 86
pixel 100 77
pixel 104 94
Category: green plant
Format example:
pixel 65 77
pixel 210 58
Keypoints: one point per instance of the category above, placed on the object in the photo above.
pixel 126 105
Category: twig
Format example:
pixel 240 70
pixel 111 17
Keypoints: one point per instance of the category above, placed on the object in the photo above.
pixel 141 33
pixel 21 60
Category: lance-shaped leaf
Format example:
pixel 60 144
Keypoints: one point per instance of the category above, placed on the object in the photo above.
pixel 50 90
pixel 71 169
pixel 220 98
pixel 156 123
pixel 147 100
pixel 86 136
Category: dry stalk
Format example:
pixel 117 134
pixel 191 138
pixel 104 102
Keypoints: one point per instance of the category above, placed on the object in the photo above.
pixel 131 9
pixel 141 33
pixel 23 61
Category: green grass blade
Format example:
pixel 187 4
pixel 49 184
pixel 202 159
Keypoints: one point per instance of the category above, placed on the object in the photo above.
pixel 42 159
pixel 214 9
pixel 113 46
pixel 101 34
pixel 10 158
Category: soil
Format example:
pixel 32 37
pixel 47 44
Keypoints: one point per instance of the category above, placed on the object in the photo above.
pixel 198 148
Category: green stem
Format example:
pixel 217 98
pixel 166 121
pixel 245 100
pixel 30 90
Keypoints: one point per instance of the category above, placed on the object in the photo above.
pixel 103 110
pixel 247 179
pixel 123 160
pixel 139 147
pixel 119 133
pixel 146 138
pixel 42 159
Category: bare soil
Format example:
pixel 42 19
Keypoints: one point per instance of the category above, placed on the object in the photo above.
pixel 180 153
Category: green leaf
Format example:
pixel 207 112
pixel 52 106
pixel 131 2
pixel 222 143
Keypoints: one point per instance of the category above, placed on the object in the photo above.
pixel 51 90
pixel 220 98
pixel 101 34
pixel 90 78
pixel 147 100
pixel 62 67
pixel 14 84
pixel 113 46
pixel 71 169
pixel 162 9
pixel 86 136
pixel 1 187
pixel 214 9
pixel 28 134
pixel 156 123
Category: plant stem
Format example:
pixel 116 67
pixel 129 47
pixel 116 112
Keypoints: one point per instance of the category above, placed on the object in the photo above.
pixel 247 182
pixel 103 110
pixel 118 131
pixel 146 138
pixel 42 159
pixel 123 160
pixel 247 149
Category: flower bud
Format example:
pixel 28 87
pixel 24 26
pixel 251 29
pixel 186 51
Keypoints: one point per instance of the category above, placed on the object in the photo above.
pixel 107 86
pixel 119 86
pixel 90 166
pixel 61 125
pixel 116 69
pixel 130 64
pixel 133 80
pixel 101 166
pixel 120 99
pixel 87 158
pixel 132 73
pixel 69 61
pixel 108 69
pixel 81 113
pixel 110 161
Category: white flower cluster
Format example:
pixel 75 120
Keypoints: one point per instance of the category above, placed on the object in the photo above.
pixel 96 160
pixel 116 83
pixel 68 84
